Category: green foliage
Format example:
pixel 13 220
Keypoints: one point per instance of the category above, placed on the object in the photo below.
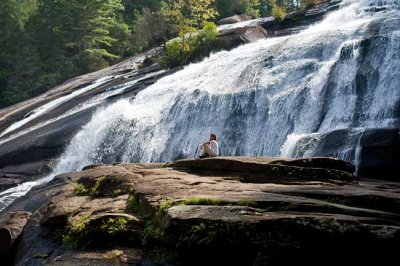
pixel 249 203
pixel 152 232
pixel 310 3
pixel 192 47
pixel 278 12
pixel 114 225
pixel 45 42
pixel 132 204
pixel 150 29
pixel 121 48
pixel 155 240
pixel 228 8
pixel 187 16
pixel 40 255
pixel 104 186
pixel 166 204
pixel 251 7
pixel 76 232
pixel 81 190
pixel 80 231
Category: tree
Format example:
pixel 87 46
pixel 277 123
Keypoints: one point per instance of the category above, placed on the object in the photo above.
pixel 91 32
pixel 134 8
pixel 276 8
pixel 188 16
pixel 150 29
pixel 18 60
pixel 251 7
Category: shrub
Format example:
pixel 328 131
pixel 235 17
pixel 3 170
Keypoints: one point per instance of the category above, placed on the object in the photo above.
pixel 278 12
pixel 191 47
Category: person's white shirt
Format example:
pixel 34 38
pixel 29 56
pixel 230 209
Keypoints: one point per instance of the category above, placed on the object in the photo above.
pixel 214 147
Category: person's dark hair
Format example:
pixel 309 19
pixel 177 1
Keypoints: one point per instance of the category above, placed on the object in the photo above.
pixel 213 136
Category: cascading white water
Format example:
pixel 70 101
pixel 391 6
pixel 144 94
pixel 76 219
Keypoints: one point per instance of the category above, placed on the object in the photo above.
pixel 260 98
pixel 253 97
pixel 53 104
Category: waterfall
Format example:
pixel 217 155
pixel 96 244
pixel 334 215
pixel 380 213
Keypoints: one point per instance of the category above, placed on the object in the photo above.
pixel 259 95
pixel 261 99
pixel 254 96
pixel 53 104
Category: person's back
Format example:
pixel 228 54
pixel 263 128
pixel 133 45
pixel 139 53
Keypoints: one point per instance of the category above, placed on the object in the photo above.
pixel 214 147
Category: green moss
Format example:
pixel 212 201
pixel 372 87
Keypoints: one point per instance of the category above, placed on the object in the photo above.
pixel 83 232
pixel 202 201
pixel 166 204
pixel 80 189
pixel 40 255
pixel 102 186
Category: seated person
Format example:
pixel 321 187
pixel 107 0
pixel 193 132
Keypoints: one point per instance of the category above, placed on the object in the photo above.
pixel 210 148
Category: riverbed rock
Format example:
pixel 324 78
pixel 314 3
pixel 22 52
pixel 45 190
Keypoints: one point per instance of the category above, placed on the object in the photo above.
pixel 214 211
pixel 11 227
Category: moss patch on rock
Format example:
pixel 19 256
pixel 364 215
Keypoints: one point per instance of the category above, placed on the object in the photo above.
pixel 103 186
pixel 108 230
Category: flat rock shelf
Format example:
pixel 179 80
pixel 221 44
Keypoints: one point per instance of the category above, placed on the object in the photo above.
pixel 214 211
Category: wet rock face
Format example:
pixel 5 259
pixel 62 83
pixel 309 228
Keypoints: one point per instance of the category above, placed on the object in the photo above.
pixel 378 149
pixel 216 211
pixel 380 153
pixel 11 176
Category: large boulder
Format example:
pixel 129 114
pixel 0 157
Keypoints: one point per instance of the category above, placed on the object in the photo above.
pixel 228 210
pixel 11 227
pixel 237 36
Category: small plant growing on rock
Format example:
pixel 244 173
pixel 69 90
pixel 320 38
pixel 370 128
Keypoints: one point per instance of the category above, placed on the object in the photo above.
pixel 114 225
pixel 76 232
pixel 166 204
pixel 80 189
pixel 132 204
pixel 40 255
pixel 94 191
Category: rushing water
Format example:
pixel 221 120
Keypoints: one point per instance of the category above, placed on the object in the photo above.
pixel 269 98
